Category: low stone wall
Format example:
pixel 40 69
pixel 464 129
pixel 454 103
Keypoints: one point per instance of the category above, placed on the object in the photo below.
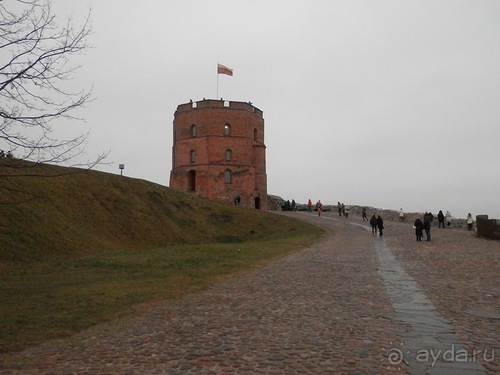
pixel 273 203
pixel 488 228
pixel 387 214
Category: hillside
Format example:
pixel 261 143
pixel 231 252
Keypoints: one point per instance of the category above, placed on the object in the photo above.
pixel 56 212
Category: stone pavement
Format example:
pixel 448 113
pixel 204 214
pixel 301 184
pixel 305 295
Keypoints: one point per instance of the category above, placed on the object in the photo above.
pixel 460 275
pixel 350 304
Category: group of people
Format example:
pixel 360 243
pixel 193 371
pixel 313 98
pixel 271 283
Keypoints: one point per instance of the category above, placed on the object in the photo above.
pixel 420 226
pixel 377 224
pixel 288 206
pixel 317 207
pixel 442 217
pixel 6 155
pixel 342 209
pixel 425 224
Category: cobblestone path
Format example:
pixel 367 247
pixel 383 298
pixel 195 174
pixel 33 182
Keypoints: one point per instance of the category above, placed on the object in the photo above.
pixel 323 310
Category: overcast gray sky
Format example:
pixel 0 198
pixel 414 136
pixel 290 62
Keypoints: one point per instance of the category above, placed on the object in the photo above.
pixel 387 103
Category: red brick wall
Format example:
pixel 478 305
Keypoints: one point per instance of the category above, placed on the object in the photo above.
pixel 246 142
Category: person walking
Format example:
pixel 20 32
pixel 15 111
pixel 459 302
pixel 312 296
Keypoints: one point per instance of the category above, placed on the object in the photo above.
pixel 309 205
pixel 380 224
pixel 427 226
pixel 470 221
pixel 401 215
pixel 318 207
pixel 339 208
pixel 363 213
pixel 418 225
pixel 373 223
pixel 448 219
pixel 441 218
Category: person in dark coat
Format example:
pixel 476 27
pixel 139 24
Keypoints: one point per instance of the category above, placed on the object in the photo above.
pixel 373 223
pixel 441 218
pixel 419 226
pixel 427 225
pixel 380 224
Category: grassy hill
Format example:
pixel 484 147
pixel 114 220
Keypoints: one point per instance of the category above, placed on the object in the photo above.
pixel 80 247
pixel 83 212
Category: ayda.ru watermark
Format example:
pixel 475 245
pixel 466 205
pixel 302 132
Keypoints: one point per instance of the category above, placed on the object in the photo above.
pixel 397 356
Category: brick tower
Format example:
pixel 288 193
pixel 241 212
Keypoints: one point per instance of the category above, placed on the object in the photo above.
pixel 219 152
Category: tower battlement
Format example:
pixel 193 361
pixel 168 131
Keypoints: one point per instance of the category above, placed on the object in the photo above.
pixel 212 103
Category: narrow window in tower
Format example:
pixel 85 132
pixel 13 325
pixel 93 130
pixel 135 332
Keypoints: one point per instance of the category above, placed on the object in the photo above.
pixel 192 156
pixel 229 155
pixel 227 130
pixel 227 177
pixel 193 130
pixel 255 134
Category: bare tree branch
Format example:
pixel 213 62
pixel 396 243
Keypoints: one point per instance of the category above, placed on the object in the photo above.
pixel 34 65
pixel 35 54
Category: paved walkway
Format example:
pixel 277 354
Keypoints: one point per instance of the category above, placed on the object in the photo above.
pixel 351 304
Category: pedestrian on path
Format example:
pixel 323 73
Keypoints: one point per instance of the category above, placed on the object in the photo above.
pixel 448 219
pixel 380 224
pixel 427 225
pixel 318 207
pixel 441 218
pixel 309 205
pixel 401 215
pixel 470 221
pixel 363 213
pixel 418 225
pixel 373 223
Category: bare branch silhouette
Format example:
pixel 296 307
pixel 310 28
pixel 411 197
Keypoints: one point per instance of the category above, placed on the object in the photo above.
pixel 35 67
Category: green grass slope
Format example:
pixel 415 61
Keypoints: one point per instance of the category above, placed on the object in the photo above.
pixel 83 212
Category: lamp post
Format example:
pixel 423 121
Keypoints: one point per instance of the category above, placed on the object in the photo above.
pixel 122 167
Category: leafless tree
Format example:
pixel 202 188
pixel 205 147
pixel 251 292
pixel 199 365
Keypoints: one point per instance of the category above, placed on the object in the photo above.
pixel 34 71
